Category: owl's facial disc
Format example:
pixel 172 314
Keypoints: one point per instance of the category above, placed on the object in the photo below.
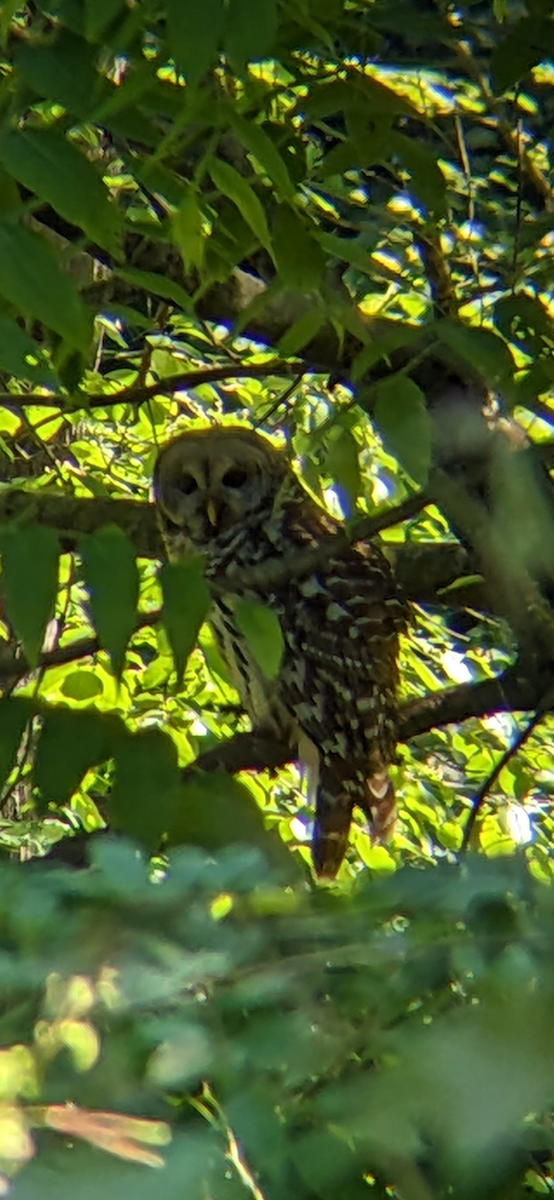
pixel 207 485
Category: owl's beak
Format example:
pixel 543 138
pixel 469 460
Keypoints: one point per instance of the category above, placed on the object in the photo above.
pixel 212 509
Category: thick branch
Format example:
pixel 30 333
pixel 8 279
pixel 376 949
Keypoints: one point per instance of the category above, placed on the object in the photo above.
pixel 423 569
pixel 511 692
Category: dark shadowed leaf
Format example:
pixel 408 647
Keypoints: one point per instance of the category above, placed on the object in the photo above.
pixel 263 633
pixel 404 423
pixel 251 29
pixel 232 185
pixel 188 232
pixel 49 165
pixel 61 70
pixel 483 349
pixel 20 355
pixel 428 181
pixel 145 797
pixel 150 281
pixel 525 318
pixel 529 42
pixel 301 332
pixel 69 744
pixel 260 145
pixel 32 279
pixel 216 811
pixel 14 715
pixel 299 258
pixel 29 582
pixel 186 600
pixel 99 14
pixel 195 34
pixel 111 576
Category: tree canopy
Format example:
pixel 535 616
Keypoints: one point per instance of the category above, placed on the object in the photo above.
pixel 330 220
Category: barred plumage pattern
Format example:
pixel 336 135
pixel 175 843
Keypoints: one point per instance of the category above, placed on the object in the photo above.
pixel 229 493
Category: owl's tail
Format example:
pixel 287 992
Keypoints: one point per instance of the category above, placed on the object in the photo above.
pixel 335 800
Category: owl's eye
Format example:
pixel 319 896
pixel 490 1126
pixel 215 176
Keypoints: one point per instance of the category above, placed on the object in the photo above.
pixel 234 478
pixel 188 484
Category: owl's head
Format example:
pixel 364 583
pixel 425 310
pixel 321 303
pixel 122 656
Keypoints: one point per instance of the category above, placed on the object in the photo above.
pixel 206 481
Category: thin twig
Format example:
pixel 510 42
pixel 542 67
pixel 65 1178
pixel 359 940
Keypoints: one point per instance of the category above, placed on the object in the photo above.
pixel 518 743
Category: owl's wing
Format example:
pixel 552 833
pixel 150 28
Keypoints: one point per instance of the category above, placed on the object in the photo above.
pixel 339 675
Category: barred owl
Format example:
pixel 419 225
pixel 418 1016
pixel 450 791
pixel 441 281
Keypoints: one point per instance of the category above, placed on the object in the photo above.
pixel 229 493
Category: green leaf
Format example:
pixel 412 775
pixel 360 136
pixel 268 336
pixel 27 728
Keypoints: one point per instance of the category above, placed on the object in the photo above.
pixel 33 281
pixel 302 331
pixel 62 70
pixel 29 582
pixel 99 14
pixel 251 29
pixel 81 685
pixel 146 793
pixel 150 281
pixel 529 42
pixel 342 464
pixel 262 631
pixel 231 184
pixel 216 810
pixel 525 318
pixel 195 34
pixel 49 165
pixel 299 258
pixel 8 10
pixel 260 145
pixel 188 231
pixel 111 576
pixel 20 356
pixel 70 744
pixel 483 349
pixel 14 716
pixel 428 181
pixel 403 420
pixel 186 601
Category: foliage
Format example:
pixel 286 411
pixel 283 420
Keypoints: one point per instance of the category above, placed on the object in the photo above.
pixel 309 217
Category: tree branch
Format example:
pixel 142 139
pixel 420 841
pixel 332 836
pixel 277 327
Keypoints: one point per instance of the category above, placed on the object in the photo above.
pixel 137 394
pixel 422 568
pixel 511 692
